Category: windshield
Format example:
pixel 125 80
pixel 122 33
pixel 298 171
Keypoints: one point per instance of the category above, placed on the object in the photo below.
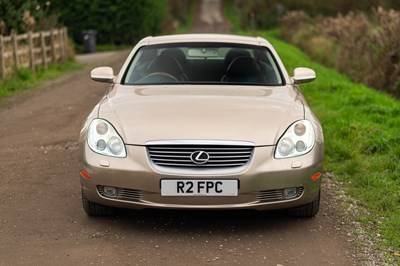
pixel 203 63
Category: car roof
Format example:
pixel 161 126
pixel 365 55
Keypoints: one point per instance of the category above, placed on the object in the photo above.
pixel 225 38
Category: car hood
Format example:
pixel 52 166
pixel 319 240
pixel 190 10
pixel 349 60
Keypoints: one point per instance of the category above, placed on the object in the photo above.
pixel 201 112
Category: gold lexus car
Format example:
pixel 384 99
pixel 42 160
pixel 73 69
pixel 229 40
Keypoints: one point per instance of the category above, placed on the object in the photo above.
pixel 202 121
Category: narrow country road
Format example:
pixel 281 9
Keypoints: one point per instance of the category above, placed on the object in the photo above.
pixel 209 19
pixel 42 221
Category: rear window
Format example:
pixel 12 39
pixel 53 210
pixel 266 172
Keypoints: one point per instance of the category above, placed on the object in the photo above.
pixel 203 63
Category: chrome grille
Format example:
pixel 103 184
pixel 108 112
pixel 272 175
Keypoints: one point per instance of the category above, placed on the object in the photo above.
pixel 220 156
pixel 123 194
pixel 276 195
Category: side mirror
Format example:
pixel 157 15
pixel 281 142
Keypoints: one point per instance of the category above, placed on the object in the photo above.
pixel 303 75
pixel 103 74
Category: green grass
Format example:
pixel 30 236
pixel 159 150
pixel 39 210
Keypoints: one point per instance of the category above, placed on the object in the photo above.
pixel 189 21
pixel 232 15
pixel 24 79
pixel 362 139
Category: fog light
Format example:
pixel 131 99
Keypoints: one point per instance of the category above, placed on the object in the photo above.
pixel 289 193
pixel 110 192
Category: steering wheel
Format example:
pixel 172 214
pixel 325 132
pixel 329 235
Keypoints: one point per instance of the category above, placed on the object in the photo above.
pixel 157 77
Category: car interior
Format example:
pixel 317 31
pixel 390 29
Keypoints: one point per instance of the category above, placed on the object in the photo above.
pixel 198 65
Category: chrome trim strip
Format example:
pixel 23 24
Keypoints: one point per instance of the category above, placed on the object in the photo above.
pixel 200 142
pixel 199 171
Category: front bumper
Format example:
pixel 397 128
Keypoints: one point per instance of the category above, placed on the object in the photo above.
pixel 136 176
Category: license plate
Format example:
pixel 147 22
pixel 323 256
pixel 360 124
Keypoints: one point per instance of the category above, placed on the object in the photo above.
pixel 195 187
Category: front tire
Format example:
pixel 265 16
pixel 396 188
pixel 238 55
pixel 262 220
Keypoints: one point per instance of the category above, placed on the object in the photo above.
pixel 307 210
pixel 94 209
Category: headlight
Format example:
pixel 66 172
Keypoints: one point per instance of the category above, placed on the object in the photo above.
pixel 104 139
pixel 298 139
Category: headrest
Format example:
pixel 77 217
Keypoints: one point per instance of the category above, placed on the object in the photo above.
pixel 233 53
pixel 243 66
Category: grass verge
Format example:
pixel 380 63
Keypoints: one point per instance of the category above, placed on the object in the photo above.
pixel 24 78
pixel 362 141
pixel 232 15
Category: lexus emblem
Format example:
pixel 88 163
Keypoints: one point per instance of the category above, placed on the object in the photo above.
pixel 199 157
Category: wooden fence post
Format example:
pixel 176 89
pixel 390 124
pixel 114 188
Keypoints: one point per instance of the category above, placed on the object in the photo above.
pixel 31 52
pixel 43 47
pixel 15 49
pixel 58 53
pixel 60 38
pixel 53 47
pixel 2 70
pixel 66 42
